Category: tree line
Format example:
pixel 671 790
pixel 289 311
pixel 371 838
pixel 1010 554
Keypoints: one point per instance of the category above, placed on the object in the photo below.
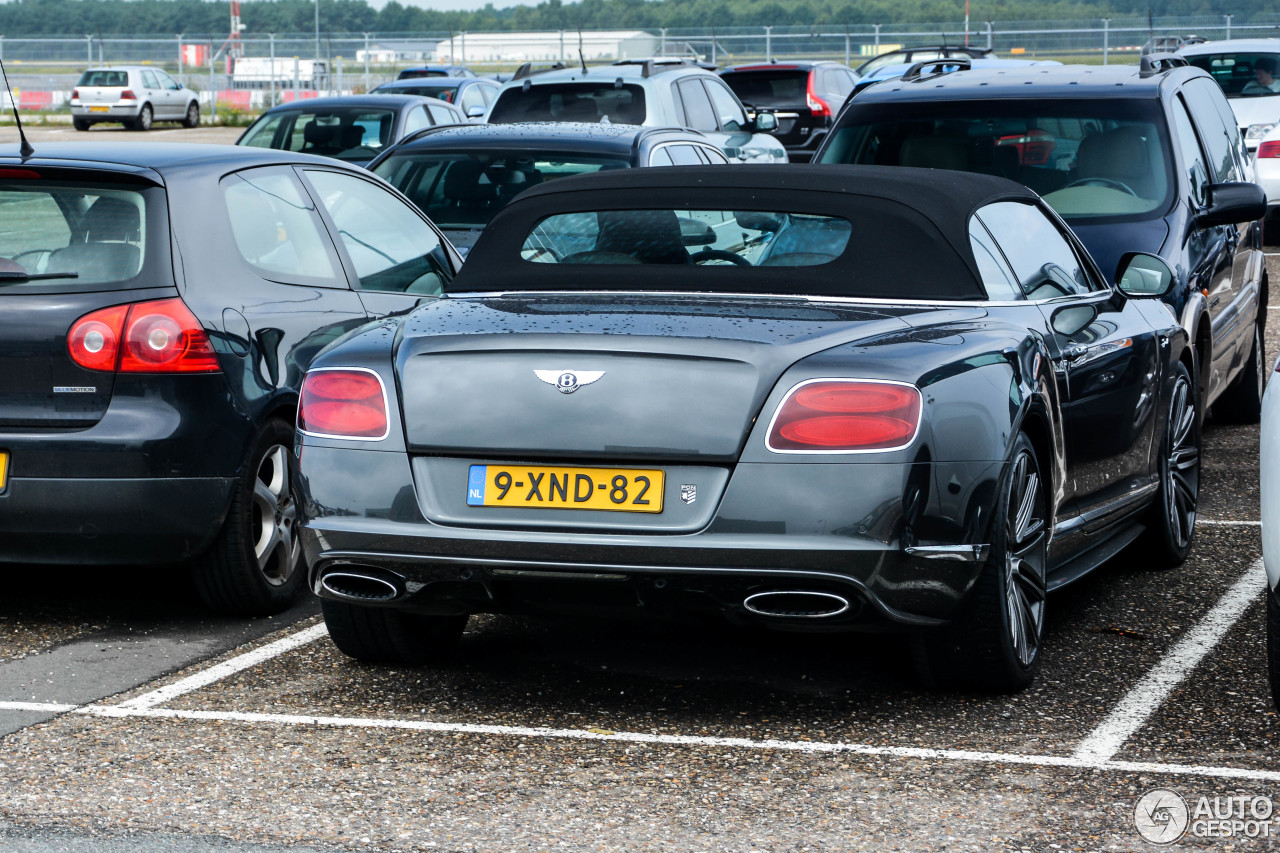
pixel 211 17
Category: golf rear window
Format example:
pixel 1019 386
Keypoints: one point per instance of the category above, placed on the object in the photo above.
pixel 104 78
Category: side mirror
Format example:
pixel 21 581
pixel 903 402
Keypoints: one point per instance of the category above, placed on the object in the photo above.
pixel 756 220
pixel 1072 319
pixel 1143 276
pixel 475 111
pixel 1233 202
pixel 766 123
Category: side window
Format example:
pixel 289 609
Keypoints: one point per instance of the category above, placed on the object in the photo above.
pixel 489 93
pixel 276 228
pixel 1192 157
pixel 661 157
pixel 697 106
pixel 442 115
pixel 416 119
pixel 1045 264
pixel 389 244
pixel 1220 137
pixel 149 79
pixel 471 97
pixel 728 110
pixel 166 81
pixel 684 155
pixel 714 156
pixel 997 278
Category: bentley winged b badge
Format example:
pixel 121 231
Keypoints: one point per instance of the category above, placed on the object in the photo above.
pixel 568 381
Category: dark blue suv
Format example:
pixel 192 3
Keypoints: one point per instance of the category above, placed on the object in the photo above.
pixel 1135 158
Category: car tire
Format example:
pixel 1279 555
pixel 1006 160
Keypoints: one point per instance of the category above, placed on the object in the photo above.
pixel 144 119
pixel 1172 521
pixel 79 124
pixel 994 642
pixel 1273 646
pixel 255 566
pixel 1241 402
pixel 192 118
pixel 387 635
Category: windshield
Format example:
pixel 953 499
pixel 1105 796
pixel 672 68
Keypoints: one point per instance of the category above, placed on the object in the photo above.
pixel 587 102
pixel 783 88
pixel 464 189
pixel 1242 75
pixel 1088 159
pixel 72 236
pixel 356 133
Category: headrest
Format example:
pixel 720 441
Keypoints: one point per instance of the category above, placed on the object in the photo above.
pixel 1118 153
pixel 112 219
pixel 650 236
pixel 934 152
pixel 462 183
pixel 352 136
pixel 318 134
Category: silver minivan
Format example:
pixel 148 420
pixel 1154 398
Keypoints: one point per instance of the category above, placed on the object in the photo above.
pixel 132 95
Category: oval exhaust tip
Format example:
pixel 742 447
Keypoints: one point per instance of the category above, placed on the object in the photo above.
pixel 351 586
pixel 797 604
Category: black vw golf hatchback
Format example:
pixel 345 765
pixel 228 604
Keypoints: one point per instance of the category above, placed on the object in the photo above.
pixel 161 304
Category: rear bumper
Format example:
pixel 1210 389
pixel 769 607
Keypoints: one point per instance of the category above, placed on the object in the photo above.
pixel 111 522
pixel 114 112
pixel 777 527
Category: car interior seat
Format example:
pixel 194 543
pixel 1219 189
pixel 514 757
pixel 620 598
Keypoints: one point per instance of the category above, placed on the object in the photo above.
pixel 352 137
pixel 110 249
pixel 318 138
pixel 1122 155
pixel 934 152
pixel 649 236
pixel 468 194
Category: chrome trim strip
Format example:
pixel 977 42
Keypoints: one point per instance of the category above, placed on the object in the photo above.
pixel 1099 296
pixel 1070 525
pixel 961 553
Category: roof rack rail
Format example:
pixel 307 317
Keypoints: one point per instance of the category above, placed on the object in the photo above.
pixel 527 70
pixel 943 65
pixel 1158 63
pixel 666 63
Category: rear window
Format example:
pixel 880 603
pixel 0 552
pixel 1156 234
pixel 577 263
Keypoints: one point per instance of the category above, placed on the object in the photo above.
pixel 104 78
pixel 346 134
pixel 769 88
pixel 464 189
pixel 74 236
pixel 589 102
pixel 415 73
pixel 444 93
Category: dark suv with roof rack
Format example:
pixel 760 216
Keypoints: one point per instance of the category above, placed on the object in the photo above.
pixel 1135 158
pixel 804 96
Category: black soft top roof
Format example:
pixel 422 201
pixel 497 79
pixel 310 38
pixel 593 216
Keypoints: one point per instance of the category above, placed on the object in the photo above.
pixel 910 237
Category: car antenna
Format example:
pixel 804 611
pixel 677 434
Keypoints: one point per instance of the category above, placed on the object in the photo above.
pixel 25 149
pixel 581 58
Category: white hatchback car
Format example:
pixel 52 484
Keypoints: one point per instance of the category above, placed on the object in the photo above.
pixel 1248 70
pixel 132 95
pixel 1266 167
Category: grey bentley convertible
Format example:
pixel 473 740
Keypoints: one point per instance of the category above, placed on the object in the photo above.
pixel 826 398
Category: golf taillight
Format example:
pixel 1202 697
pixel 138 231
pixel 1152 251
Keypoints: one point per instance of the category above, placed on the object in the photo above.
pixel 75 94
pixel 161 336
pixel 343 403
pixel 1268 150
pixel 127 95
pixel 818 107
pixel 839 415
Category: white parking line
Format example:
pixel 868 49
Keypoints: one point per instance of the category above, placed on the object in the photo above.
pixel 812 747
pixel 1209 522
pixel 1148 694
pixel 49 707
pixel 226 668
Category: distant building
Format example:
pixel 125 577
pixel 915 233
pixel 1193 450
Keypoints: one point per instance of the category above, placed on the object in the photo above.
pixel 387 52
pixel 597 46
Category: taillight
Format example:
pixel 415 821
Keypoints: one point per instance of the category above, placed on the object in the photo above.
pixel 817 106
pixel 127 95
pixel 147 337
pixel 841 415
pixel 75 94
pixel 343 403
pixel 1269 149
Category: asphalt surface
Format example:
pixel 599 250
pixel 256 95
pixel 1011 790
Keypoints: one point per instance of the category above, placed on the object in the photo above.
pixel 130 719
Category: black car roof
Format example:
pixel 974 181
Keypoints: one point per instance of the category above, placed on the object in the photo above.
pixel 407 82
pixel 561 136
pixel 383 101
pixel 936 263
pixel 156 157
pixel 788 65
pixel 1036 81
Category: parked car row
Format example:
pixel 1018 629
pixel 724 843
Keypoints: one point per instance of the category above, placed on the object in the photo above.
pixel 1003 301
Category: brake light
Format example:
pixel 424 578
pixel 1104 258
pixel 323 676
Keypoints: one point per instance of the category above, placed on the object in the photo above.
pixel 841 415
pixel 127 95
pixel 1268 150
pixel 162 336
pixel 343 403
pixel 75 94
pixel 817 106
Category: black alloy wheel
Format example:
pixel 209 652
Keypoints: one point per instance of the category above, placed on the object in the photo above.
pixel 1171 528
pixel 387 635
pixel 254 567
pixel 994 643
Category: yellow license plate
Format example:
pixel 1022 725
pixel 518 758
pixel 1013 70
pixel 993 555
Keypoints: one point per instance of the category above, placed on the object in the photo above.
pixel 4 469
pixel 99 109
pixel 541 487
